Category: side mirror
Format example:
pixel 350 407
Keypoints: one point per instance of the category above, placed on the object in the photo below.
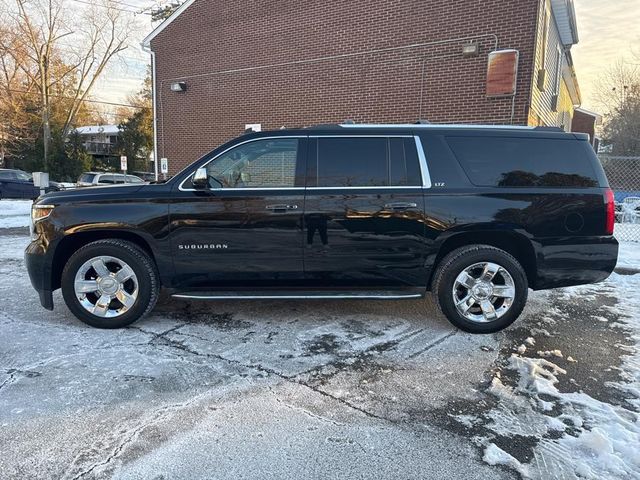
pixel 200 179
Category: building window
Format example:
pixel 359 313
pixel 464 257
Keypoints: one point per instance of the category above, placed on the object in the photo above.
pixel 558 77
pixel 545 34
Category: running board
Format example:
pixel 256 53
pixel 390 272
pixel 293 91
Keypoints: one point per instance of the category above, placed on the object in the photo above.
pixel 306 295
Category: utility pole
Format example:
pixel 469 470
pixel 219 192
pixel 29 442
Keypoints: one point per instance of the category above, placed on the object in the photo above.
pixel 46 125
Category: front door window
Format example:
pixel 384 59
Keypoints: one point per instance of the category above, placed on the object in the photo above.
pixel 269 163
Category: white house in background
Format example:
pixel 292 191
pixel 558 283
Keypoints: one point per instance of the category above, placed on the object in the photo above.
pixel 100 140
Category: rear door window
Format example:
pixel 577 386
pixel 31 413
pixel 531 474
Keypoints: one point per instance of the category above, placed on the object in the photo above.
pixel 344 162
pixel 525 162
pixel 107 179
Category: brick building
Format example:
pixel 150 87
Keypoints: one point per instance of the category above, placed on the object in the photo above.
pixel 219 66
pixel 585 121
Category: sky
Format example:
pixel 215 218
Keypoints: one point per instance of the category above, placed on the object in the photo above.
pixel 608 29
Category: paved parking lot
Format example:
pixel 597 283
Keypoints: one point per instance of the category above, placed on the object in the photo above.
pixel 322 389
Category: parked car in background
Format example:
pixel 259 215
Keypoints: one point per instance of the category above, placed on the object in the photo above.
pixel 146 176
pixel 477 215
pixel 91 179
pixel 19 184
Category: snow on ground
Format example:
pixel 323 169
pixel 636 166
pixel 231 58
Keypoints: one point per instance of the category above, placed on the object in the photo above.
pixel 575 435
pixel 294 358
pixel 629 256
pixel 15 213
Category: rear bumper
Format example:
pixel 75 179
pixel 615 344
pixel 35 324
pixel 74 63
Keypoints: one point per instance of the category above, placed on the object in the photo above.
pixel 569 261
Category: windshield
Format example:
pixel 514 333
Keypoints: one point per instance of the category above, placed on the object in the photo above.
pixel 23 176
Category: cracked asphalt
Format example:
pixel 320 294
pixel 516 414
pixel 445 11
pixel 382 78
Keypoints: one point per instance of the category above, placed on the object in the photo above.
pixel 242 389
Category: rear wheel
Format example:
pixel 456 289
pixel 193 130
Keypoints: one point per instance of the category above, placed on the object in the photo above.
pixel 110 283
pixel 481 289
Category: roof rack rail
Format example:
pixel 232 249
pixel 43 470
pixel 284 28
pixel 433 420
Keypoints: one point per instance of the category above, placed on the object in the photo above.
pixel 324 126
pixel 549 129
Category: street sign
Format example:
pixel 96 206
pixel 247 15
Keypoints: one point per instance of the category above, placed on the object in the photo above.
pixel 41 181
pixel 164 166
pixel 123 163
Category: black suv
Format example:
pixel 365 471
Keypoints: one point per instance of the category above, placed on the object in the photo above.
pixel 475 214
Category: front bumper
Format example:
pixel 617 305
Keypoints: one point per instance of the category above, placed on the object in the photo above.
pixel 39 267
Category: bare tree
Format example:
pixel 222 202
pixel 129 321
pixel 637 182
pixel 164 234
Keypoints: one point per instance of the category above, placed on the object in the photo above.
pixel 63 41
pixel 616 85
pixel 618 92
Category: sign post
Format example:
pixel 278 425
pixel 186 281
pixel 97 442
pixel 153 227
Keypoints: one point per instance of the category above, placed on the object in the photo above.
pixel 123 166
pixel 164 167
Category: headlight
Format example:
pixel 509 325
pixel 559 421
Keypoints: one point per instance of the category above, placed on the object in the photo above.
pixel 39 212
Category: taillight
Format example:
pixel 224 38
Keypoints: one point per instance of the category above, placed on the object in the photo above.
pixel 610 205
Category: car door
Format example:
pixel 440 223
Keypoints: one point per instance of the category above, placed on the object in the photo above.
pixel 364 212
pixel 246 229
pixel 12 187
pixel 5 183
pixel 24 185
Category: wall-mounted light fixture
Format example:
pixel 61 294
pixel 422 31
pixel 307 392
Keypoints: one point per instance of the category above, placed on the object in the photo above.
pixel 179 87
pixel 470 49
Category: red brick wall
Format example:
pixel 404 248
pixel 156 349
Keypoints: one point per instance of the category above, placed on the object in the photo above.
pixel 265 61
pixel 584 123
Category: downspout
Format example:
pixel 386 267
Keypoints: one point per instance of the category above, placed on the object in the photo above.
pixel 156 158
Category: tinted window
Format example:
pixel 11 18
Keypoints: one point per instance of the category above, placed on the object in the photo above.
pixel 525 162
pixel 261 164
pixel 6 176
pixel 404 165
pixel 23 176
pixel 353 162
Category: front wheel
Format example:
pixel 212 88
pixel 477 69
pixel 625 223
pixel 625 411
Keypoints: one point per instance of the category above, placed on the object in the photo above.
pixel 110 283
pixel 481 289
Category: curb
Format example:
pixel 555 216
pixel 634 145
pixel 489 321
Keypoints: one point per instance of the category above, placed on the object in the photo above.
pixel 627 271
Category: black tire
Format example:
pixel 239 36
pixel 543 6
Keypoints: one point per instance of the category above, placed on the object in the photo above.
pixel 148 284
pixel 455 263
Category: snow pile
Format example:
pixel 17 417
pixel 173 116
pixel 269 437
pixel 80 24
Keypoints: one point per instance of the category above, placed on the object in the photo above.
pixel 15 213
pixel 576 435
pixel 629 255
pixel 494 455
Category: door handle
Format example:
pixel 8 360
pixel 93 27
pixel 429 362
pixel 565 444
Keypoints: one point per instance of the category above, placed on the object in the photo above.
pixel 400 206
pixel 281 207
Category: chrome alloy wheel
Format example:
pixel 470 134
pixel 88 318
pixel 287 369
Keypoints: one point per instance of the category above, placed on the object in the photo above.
pixel 106 286
pixel 483 292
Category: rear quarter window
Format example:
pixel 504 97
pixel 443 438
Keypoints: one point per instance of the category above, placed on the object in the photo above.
pixel 86 178
pixel 525 162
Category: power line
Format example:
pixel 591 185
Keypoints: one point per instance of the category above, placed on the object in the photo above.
pixel 135 12
pixel 86 100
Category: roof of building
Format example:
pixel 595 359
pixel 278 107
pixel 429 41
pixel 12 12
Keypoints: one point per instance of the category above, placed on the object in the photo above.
pixel 98 129
pixel 565 15
pixel 146 43
pixel 563 11
pixel 596 116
